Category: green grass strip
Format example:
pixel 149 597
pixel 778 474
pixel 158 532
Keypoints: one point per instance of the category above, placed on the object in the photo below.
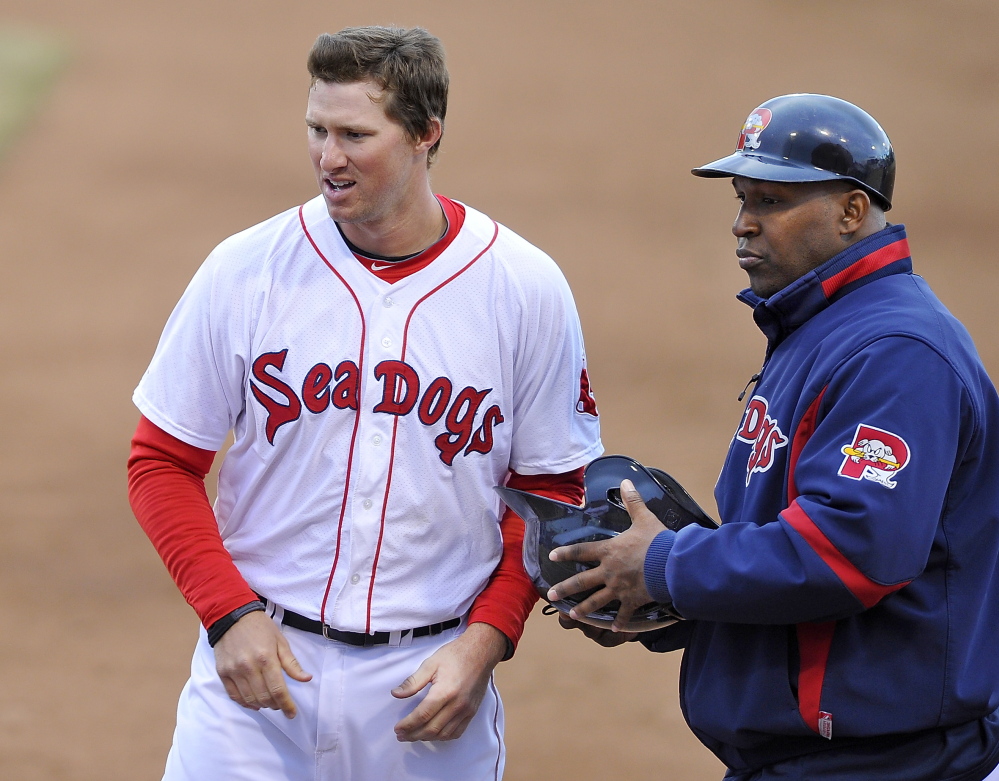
pixel 29 63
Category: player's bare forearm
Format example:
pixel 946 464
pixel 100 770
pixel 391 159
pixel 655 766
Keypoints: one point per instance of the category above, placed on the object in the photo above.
pixel 458 674
pixel 251 659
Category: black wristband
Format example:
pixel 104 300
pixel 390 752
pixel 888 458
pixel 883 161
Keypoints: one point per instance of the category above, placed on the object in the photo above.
pixel 224 624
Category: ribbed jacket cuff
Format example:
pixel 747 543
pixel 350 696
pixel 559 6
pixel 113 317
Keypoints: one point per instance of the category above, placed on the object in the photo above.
pixel 655 566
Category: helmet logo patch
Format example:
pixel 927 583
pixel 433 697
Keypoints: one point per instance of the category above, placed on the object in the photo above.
pixel 874 454
pixel 756 123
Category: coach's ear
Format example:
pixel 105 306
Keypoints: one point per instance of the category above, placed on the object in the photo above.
pixel 855 206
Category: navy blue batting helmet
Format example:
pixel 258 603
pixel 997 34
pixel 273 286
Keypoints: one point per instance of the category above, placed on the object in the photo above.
pixel 550 524
pixel 811 138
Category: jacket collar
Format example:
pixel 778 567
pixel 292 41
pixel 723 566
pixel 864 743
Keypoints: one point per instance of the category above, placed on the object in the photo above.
pixel 879 255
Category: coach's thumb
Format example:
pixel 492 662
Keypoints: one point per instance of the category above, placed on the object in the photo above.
pixel 634 503
pixel 632 499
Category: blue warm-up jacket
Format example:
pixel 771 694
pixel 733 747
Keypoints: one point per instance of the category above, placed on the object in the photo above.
pixel 844 618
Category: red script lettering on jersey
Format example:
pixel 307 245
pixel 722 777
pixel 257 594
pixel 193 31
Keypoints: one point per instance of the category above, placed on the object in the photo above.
pixel 400 396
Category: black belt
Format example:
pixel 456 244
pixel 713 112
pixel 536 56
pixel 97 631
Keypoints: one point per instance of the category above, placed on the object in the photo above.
pixel 362 639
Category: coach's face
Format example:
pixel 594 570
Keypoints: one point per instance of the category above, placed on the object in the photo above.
pixel 786 229
pixel 367 167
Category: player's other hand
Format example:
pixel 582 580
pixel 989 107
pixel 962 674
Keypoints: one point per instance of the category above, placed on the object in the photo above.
pixel 621 564
pixel 458 674
pixel 604 637
pixel 251 659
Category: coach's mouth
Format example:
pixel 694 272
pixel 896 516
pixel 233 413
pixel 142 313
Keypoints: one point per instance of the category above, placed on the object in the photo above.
pixel 747 258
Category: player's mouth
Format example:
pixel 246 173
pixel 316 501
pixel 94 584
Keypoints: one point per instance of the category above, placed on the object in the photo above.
pixel 334 188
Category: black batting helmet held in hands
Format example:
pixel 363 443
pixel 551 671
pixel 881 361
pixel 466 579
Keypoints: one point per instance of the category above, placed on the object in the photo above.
pixel 811 138
pixel 551 524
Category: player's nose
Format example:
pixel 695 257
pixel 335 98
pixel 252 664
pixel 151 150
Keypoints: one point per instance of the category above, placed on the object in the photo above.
pixel 333 157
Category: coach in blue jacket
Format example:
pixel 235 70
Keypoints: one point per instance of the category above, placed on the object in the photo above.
pixel 843 621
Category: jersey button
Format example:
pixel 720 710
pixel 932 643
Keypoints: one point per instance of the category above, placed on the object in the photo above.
pixel 377 439
pixel 354 579
pixel 386 342
pixel 366 504
pixel 388 301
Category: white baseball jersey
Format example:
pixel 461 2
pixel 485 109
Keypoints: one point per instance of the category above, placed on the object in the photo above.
pixel 371 420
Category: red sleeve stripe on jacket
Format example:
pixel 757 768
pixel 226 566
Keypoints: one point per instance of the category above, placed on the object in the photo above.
pixel 863 588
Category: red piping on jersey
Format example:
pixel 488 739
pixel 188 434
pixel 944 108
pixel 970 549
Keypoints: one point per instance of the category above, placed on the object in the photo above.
pixel 815 639
pixel 395 423
pixel 357 414
pixel 877 260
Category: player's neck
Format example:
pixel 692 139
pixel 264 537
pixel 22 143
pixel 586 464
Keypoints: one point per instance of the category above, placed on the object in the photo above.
pixel 405 233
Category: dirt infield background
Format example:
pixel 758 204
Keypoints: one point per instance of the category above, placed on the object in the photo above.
pixel 177 124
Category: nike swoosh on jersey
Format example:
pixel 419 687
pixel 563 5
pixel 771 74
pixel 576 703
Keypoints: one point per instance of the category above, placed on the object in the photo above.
pixel 376 267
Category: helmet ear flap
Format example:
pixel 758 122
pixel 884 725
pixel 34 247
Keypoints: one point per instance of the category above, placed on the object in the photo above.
pixel 685 500
pixel 550 524
pixel 614 497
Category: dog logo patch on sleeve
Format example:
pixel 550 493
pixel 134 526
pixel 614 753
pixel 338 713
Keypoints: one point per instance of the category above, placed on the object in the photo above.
pixel 874 454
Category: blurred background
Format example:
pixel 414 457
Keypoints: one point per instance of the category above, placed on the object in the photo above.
pixel 134 136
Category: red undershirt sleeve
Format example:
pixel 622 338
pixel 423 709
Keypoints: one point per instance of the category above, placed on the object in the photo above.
pixel 507 599
pixel 166 488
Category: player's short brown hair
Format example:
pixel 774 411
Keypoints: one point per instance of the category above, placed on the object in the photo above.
pixel 407 63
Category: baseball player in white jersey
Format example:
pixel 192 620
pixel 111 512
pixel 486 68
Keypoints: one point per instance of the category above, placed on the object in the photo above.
pixel 384 357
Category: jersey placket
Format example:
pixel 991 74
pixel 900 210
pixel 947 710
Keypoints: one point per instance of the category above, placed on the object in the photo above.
pixel 372 472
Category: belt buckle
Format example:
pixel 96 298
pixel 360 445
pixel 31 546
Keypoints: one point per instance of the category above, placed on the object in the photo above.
pixel 326 633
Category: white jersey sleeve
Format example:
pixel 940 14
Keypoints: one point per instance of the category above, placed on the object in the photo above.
pixel 555 424
pixel 194 387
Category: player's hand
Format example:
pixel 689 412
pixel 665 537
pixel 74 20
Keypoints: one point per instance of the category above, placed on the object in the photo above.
pixel 621 569
pixel 250 659
pixel 458 674
pixel 604 637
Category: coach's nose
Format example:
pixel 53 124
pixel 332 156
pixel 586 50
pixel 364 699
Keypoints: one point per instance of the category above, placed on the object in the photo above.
pixel 746 224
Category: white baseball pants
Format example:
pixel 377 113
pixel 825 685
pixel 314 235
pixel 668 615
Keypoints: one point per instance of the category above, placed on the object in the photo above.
pixel 344 727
